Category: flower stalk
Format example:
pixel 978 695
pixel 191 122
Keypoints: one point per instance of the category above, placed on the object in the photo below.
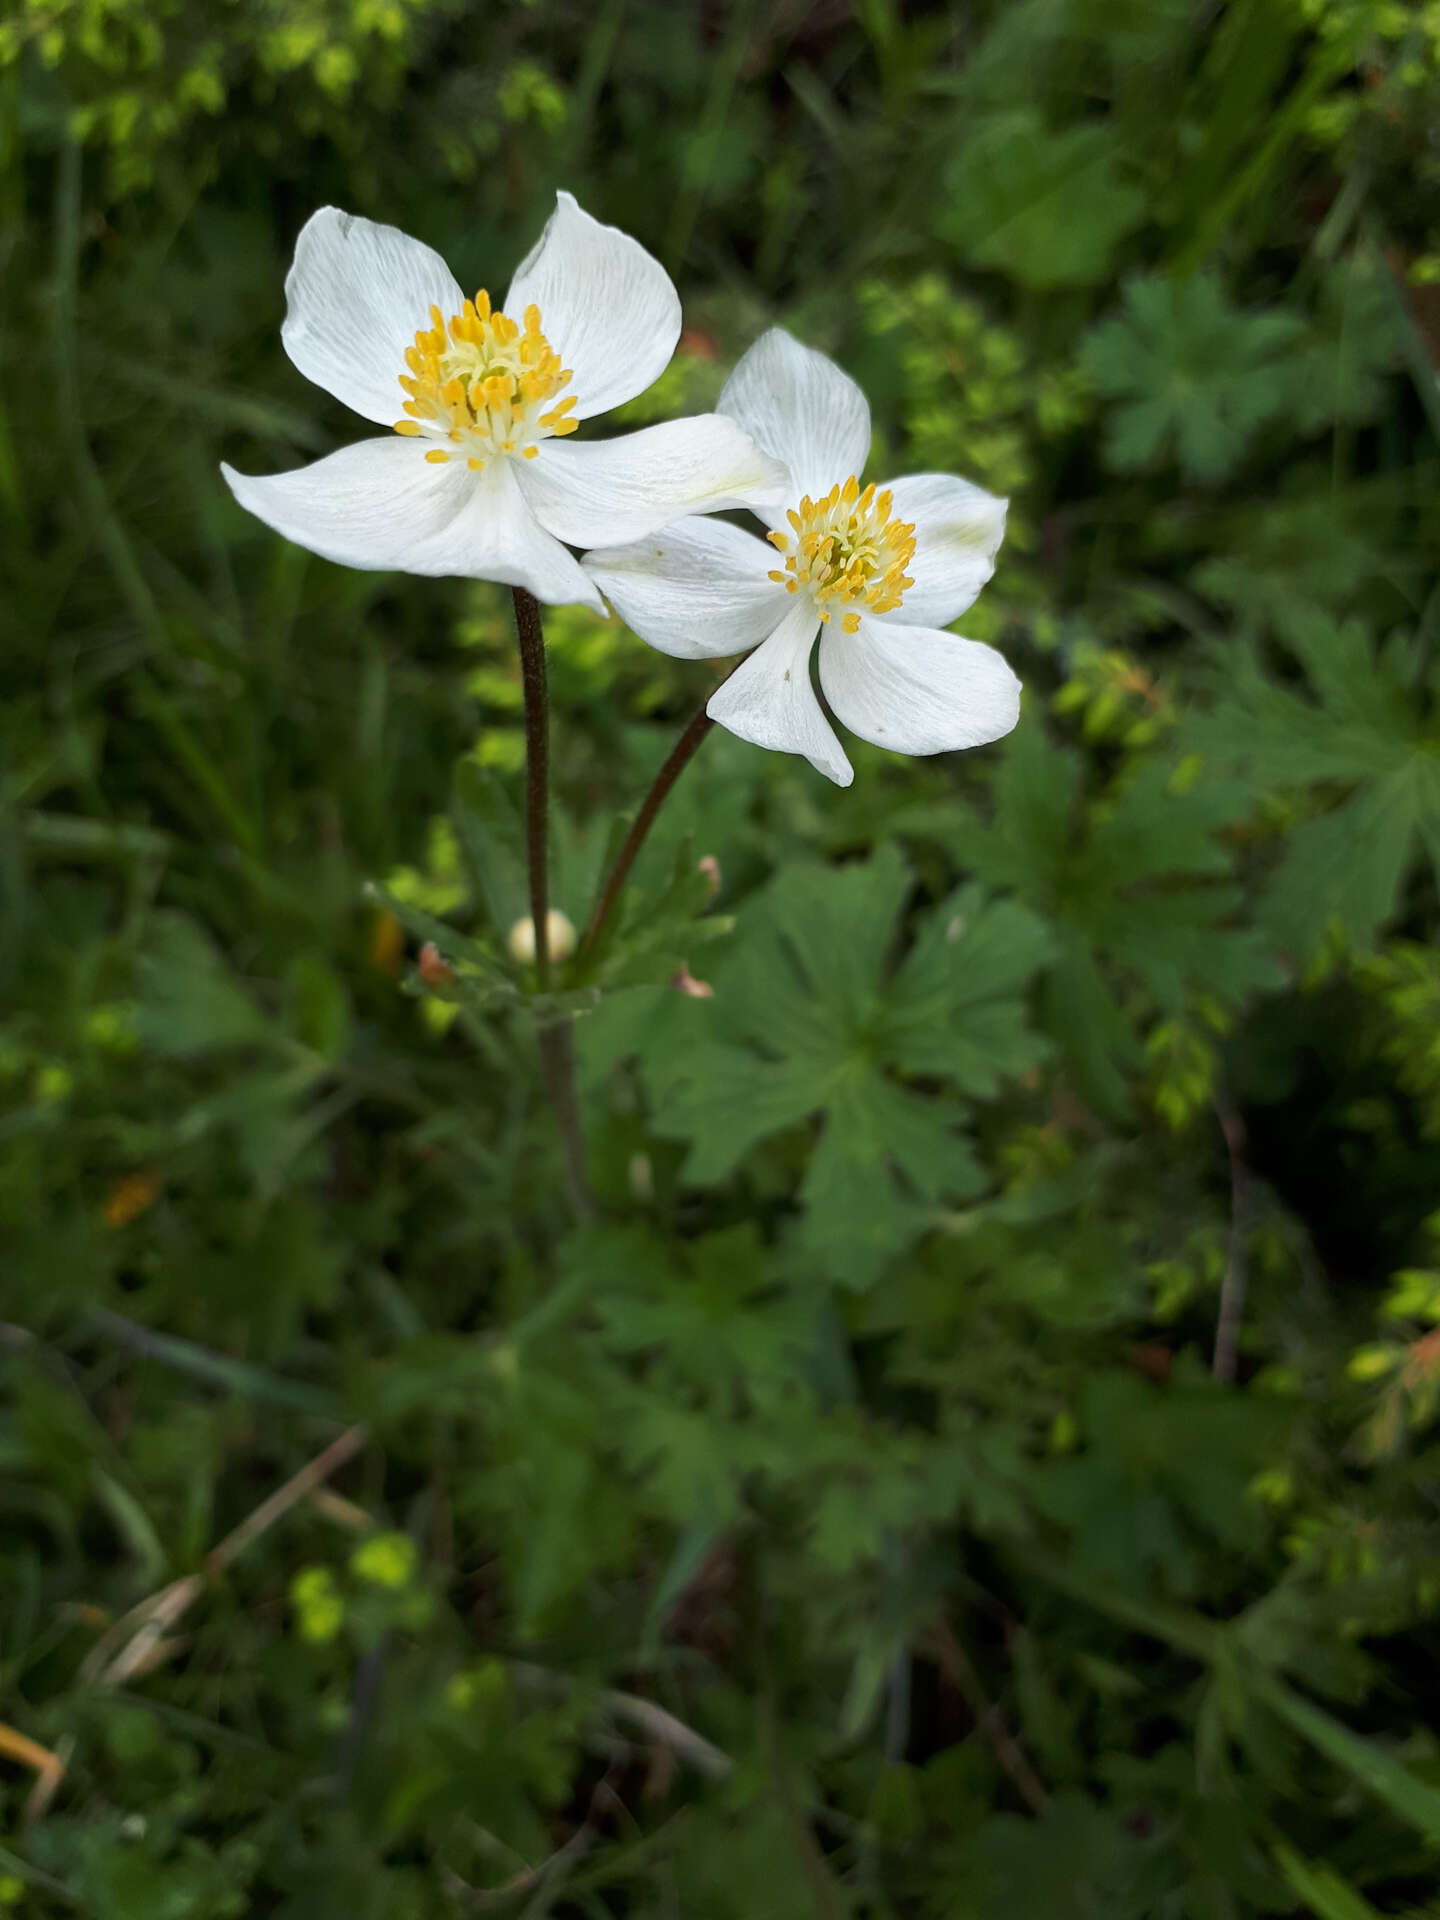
pixel 531 636
pixel 680 756
pixel 556 1043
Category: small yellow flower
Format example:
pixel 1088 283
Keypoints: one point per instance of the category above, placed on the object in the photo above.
pixel 131 1197
pixel 385 1560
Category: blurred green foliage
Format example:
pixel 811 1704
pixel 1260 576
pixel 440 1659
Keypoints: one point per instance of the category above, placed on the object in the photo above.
pixel 984 1459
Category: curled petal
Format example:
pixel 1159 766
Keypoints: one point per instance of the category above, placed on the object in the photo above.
pixel 698 589
pixel 958 530
pixel 607 307
pixel 356 296
pixel 602 493
pixel 769 699
pixel 381 504
pixel 802 409
pixel 917 690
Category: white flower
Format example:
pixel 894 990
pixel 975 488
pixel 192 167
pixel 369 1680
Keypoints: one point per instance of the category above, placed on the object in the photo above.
pixel 875 573
pixel 478 476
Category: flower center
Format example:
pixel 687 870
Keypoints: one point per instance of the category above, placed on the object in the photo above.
pixel 484 383
pixel 846 551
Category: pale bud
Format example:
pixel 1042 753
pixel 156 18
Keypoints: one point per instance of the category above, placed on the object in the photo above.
pixel 710 867
pixel 559 936
pixel 686 983
pixel 434 970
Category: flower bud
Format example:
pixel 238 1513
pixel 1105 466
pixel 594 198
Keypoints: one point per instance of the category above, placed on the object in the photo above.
pixel 686 983
pixel 559 936
pixel 433 969
pixel 710 867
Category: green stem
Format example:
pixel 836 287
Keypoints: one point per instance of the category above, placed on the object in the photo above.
pixel 531 636
pixel 557 1059
pixel 680 756
pixel 556 1043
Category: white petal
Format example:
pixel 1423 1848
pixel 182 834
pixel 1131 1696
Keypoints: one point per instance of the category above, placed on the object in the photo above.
pixel 699 589
pixel 381 504
pixel 958 530
pixel 356 296
pixel 770 701
pixel 916 690
pixel 804 410
pixel 603 493
pixel 607 307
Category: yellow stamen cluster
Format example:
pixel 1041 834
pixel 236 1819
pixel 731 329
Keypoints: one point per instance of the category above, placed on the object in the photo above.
pixel 845 550
pixel 485 384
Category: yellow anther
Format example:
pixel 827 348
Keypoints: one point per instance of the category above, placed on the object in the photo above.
pixel 480 383
pixel 437 456
pixel 851 556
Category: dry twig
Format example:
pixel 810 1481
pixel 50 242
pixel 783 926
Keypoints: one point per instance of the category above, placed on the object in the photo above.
pixel 663 1727
pixel 137 1640
pixel 955 1664
pixel 49 1767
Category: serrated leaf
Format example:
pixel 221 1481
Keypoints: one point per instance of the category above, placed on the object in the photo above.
pixel 1358 726
pixel 1191 377
pixel 1158 1461
pixel 1137 884
pixel 810 1021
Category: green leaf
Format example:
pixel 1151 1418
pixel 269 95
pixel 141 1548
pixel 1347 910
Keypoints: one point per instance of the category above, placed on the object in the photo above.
pixel 1134 886
pixel 1338 373
pixel 662 930
pixel 217 1369
pixel 1322 1888
pixel 1356 725
pixel 1047 208
pixel 1074 1862
pixel 1193 378
pixel 707 1312
pixel 189 1002
pixel 1414 1800
pixel 1159 1462
pixel 492 843
pixel 811 1022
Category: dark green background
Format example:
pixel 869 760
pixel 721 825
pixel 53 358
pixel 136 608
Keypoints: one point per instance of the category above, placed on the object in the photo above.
pixel 875 1431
